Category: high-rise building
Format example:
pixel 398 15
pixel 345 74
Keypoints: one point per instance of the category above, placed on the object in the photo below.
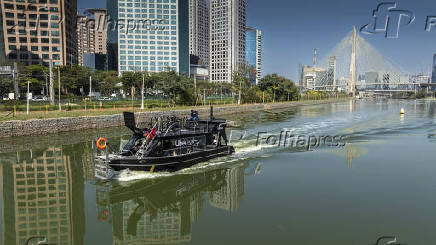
pixel 253 50
pixel 313 77
pixel 85 37
pixel 433 77
pixel 37 32
pixel 331 73
pixel 148 35
pixel 91 33
pixel 199 29
pixel 227 38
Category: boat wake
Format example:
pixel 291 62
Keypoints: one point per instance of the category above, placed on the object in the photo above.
pixel 355 126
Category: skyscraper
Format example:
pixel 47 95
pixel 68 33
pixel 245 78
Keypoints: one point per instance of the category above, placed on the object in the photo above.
pixel 199 29
pixel 91 33
pixel 148 35
pixel 227 38
pixel 433 77
pixel 37 32
pixel 253 50
pixel 331 72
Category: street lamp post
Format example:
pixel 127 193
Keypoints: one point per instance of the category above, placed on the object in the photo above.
pixel 28 95
pixel 90 86
pixel 59 92
pixel 239 97
pixel 142 92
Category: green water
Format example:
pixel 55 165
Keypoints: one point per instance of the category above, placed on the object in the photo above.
pixel 381 183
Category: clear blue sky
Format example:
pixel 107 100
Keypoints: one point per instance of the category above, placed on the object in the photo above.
pixel 292 29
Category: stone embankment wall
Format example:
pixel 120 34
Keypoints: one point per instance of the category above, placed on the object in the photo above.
pixel 56 125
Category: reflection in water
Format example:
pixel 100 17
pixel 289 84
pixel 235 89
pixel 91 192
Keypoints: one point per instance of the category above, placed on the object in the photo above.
pixel 37 194
pixel 161 211
pixel 43 191
pixel 350 152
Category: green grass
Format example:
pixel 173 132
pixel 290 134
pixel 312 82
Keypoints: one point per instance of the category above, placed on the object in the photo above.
pixel 108 108
pixel 92 109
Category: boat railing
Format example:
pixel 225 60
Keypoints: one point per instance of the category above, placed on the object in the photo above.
pixel 101 163
pixel 178 150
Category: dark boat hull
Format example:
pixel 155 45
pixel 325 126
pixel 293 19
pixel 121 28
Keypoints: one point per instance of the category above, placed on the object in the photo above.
pixel 170 163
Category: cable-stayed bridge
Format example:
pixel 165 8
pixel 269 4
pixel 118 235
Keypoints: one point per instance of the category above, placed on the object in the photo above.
pixel 354 65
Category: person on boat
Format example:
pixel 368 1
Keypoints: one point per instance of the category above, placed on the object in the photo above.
pixel 194 116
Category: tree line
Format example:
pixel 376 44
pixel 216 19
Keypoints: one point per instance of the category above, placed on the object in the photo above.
pixel 176 88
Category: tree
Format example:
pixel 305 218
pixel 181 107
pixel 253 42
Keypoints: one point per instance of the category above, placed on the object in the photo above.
pixel 73 78
pixel 280 87
pixel 106 81
pixel 36 75
pixel 177 87
pixel 6 86
pixel 131 79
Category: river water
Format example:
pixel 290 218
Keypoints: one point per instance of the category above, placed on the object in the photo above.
pixel 364 173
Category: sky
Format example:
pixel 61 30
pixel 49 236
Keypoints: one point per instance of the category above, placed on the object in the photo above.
pixel 292 29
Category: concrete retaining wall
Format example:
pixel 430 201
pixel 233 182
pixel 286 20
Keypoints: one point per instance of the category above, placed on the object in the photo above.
pixel 56 125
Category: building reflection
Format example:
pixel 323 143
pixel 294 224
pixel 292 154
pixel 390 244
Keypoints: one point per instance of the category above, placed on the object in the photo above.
pixel 162 211
pixel 230 195
pixel 37 194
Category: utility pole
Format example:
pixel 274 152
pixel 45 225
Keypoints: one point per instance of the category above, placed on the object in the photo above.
pixel 51 83
pixel 132 91
pixel 28 95
pixel 195 89
pixel 239 97
pixel 204 96
pixel 46 86
pixel 142 91
pixel 90 86
pixel 59 83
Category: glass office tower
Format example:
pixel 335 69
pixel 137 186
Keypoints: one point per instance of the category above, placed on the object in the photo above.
pixel 148 35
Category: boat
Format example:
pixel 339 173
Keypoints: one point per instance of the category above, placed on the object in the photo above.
pixel 169 144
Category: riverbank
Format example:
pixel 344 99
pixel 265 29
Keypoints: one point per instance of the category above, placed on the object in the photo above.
pixel 63 124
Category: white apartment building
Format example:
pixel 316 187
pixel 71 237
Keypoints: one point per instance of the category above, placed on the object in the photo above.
pixel 227 38
pixel 199 29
